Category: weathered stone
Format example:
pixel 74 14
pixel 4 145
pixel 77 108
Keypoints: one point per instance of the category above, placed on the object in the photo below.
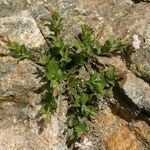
pixel 19 108
pixel 140 59
pixel 123 139
pixel 142 129
pixel 15 78
pixel 116 133
pixel 21 27
pixel 135 88
pixel 25 136
pixel 19 105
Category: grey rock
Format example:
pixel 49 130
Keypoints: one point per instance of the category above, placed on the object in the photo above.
pixel 19 109
pixel 21 27
pixel 18 82
pixel 25 137
pixel 16 78
pixel 135 23
pixel 135 88
pixel 19 105
pixel 141 64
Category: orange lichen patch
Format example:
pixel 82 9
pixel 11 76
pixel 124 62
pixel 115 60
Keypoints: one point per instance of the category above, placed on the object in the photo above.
pixel 106 118
pixel 143 130
pixel 122 139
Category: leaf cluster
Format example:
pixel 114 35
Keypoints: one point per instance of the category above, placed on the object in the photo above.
pixel 111 46
pixel 61 64
pixel 20 51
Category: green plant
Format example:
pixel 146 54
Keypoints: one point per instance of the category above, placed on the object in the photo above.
pixel 62 64
pixel 19 51
pixel 112 46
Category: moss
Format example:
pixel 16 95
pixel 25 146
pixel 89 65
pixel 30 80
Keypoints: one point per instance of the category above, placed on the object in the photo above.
pixel 140 70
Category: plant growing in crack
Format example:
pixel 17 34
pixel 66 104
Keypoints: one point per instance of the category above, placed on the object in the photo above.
pixel 62 64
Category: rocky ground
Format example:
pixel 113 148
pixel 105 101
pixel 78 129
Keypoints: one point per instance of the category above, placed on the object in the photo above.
pixel 121 124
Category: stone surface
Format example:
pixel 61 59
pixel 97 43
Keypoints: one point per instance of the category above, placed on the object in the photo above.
pixel 16 78
pixel 120 126
pixel 123 139
pixel 141 60
pixel 25 135
pixel 116 133
pixel 135 88
pixel 19 109
pixel 21 27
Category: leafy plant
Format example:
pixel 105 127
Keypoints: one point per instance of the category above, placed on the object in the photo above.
pixel 62 65
pixel 49 104
pixel 19 51
pixel 112 46
pixel 56 24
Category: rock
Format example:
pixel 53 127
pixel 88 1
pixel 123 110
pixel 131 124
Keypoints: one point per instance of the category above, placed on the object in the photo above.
pixel 135 88
pixel 141 64
pixel 123 139
pixel 4 48
pixel 142 129
pixel 22 28
pixel 6 2
pixel 23 136
pixel 20 106
pixel 115 132
pixel 134 23
pixel 16 78
pixel 28 1
pixel 114 128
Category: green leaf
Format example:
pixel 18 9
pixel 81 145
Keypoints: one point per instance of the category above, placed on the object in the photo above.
pixel 80 129
pixel 84 98
pixel 94 76
pixel 81 100
pixel 53 72
pixel 52 68
pixel 45 113
pixel 111 43
pixel 43 59
pixel 88 111
pixel 72 83
pixel 54 84
pixel 98 46
pixel 97 83
pixel 65 56
pixel 84 42
pixel 111 76
pixel 56 23
pixel 109 46
pixel 72 120
pixel 19 51
pixel 100 85
pixel 77 101
pixel 49 103
pixel 58 42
